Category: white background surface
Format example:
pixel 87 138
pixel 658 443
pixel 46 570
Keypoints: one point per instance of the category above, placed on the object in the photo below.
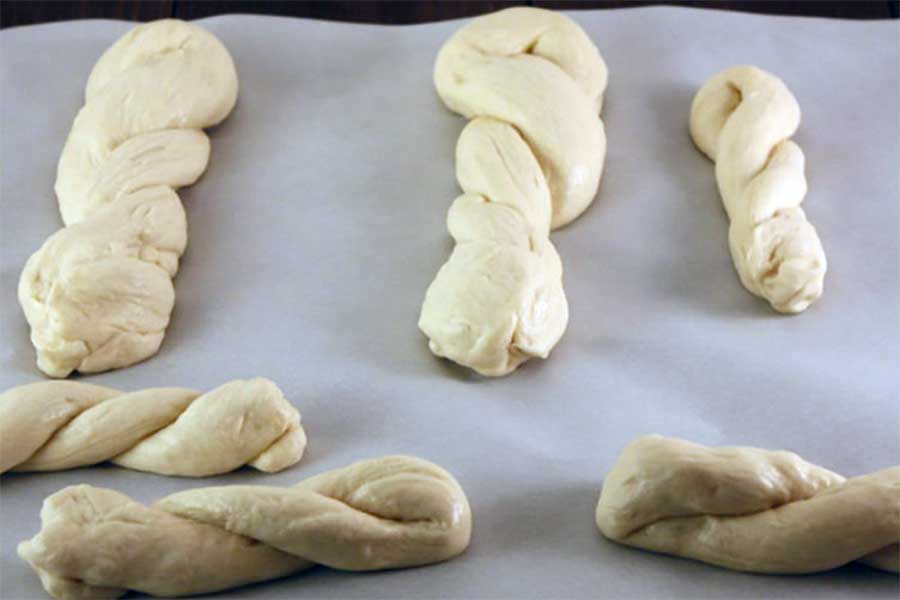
pixel 320 223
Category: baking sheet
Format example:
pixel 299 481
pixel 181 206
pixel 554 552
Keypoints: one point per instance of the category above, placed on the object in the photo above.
pixel 320 223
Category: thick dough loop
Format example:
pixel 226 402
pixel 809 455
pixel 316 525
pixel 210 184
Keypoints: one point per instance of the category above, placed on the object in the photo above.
pixel 749 509
pixel 742 119
pixel 385 513
pixel 529 161
pixel 56 425
pixel 98 293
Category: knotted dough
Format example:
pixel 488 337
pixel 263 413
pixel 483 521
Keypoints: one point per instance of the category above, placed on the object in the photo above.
pixel 528 161
pixel 749 509
pixel 742 119
pixel 55 425
pixel 98 293
pixel 385 513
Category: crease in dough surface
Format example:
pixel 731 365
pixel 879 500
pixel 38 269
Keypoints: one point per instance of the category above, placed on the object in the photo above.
pixel 749 509
pixel 56 425
pixel 742 119
pixel 98 294
pixel 529 160
pixel 383 513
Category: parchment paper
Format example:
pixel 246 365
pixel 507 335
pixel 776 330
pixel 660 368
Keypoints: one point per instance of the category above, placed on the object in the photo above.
pixel 321 222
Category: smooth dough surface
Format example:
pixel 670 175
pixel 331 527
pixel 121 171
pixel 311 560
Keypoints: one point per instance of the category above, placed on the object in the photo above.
pixel 749 509
pixel 389 512
pixel 529 160
pixel 98 294
pixel 743 119
pixel 55 425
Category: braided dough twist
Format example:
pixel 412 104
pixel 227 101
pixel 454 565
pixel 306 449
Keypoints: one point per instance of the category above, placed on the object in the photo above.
pixel 98 294
pixel 55 425
pixel 742 119
pixel 385 513
pixel 749 509
pixel 528 161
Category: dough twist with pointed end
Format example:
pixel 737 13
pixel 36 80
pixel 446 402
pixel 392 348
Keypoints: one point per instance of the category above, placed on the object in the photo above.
pixel 742 119
pixel 530 160
pixel 55 425
pixel 749 509
pixel 385 513
pixel 98 293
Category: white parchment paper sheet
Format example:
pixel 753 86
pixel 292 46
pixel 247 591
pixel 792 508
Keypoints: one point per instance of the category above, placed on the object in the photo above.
pixel 320 223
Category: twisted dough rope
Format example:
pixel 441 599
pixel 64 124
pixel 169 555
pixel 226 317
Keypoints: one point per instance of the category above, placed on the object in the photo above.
pixel 742 120
pixel 749 509
pixel 385 513
pixel 98 293
pixel 530 159
pixel 55 425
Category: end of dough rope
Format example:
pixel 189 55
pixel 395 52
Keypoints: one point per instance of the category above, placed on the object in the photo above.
pixel 98 294
pixel 743 119
pixel 384 513
pixel 56 425
pixel 529 161
pixel 749 509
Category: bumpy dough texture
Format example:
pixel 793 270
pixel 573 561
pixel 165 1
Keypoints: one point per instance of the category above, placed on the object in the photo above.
pixel 384 513
pixel 98 294
pixel 530 160
pixel 742 119
pixel 749 509
pixel 55 425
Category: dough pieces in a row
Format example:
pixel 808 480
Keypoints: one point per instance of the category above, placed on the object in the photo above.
pixel 55 425
pixel 749 509
pixel 98 294
pixel 384 513
pixel 530 160
pixel 743 119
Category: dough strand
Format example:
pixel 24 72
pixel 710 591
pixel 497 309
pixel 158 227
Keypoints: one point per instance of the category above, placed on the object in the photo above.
pixel 98 293
pixel 385 513
pixel 56 425
pixel 529 160
pixel 749 509
pixel 742 120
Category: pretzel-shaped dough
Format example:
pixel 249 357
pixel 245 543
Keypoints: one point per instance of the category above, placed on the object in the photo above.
pixel 55 425
pixel 98 293
pixel 742 120
pixel 384 513
pixel 749 509
pixel 530 160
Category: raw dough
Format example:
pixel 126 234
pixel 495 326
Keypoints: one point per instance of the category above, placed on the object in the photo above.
pixel 98 293
pixel 55 425
pixel 385 513
pixel 742 119
pixel 530 160
pixel 749 509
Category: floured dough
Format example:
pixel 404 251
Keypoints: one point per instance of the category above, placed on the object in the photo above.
pixel 98 293
pixel 55 425
pixel 385 513
pixel 530 160
pixel 742 119
pixel 749 509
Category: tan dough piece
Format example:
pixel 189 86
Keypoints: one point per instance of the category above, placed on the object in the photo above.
pixel 98 293
pixel 55 425
pixel 384 513
pixel 749 509
pixel 743 119
pixel 530 160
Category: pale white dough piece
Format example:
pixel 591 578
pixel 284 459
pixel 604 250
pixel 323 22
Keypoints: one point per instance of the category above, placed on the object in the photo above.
pixel 55 425
pixel 749 509
pixel 98 295
pixel 743 119
pixel 530 160
pixel 384 513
